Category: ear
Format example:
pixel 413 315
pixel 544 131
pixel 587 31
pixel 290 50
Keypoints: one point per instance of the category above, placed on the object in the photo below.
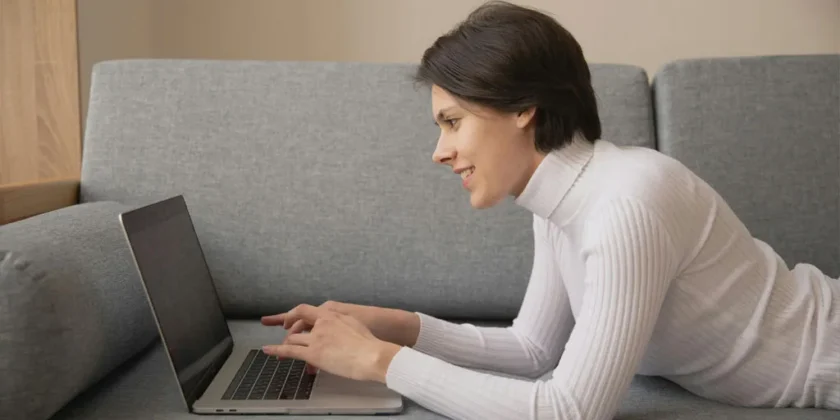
pixel 523 118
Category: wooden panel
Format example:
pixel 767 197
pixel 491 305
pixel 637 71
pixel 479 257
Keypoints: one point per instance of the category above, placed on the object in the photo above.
pixel 57 89
pixel 22 200
pixel 40 134
pixel 18 121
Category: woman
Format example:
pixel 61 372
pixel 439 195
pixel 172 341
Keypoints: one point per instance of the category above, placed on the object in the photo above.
pixel 639 266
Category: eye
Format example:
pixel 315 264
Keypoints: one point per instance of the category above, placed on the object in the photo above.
pixel 451 122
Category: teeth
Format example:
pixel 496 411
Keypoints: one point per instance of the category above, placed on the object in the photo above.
pixel 467 173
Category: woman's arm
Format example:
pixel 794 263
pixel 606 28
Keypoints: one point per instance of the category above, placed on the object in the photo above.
pixel 532 345
pixel 629 265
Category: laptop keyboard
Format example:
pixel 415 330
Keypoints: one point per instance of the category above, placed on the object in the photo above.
pixel 262 377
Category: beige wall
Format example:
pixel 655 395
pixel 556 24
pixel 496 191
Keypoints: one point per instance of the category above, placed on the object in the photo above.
pixel 642 32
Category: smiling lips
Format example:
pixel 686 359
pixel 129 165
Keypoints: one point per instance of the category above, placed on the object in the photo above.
pixel 465 174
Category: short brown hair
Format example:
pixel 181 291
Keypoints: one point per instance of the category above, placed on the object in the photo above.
pixel 511 58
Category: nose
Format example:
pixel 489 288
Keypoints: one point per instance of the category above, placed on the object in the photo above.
pixel 444 152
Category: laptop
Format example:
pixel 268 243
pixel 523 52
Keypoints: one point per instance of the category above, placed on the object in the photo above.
pixel 217 375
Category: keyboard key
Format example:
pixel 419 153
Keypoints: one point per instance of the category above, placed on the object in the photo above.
pixel 240 374
pixel 288 391
pixel 305 388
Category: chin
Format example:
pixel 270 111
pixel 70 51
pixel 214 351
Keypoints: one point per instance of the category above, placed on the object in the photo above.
pixel 482 201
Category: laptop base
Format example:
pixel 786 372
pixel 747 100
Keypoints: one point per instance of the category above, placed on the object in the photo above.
pixel 330 394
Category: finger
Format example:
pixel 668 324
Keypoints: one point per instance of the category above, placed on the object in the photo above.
pixel 311 369
pixel 299 326
pixel 289 319
pixel 299 339
pixel 309 313
pixel 295 315
pixel 287 351
pixel 273 319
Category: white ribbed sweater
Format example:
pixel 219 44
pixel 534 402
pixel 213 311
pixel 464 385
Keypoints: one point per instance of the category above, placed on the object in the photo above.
pixel 639 268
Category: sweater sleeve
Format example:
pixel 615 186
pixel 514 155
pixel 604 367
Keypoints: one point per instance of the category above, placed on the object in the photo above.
pixel 532 345
pixel 629 263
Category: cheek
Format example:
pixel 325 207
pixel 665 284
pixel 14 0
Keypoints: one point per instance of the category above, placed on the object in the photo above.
pixel 491 149
pixel 503 160
pixel 490 165
pixel 469 146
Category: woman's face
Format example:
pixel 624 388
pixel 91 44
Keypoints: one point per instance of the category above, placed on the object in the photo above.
pixel 493 152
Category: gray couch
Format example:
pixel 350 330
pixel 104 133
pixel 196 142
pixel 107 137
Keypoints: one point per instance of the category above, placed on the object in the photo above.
pixel 313 181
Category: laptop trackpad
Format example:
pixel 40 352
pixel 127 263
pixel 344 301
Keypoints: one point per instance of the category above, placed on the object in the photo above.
pixel 350 392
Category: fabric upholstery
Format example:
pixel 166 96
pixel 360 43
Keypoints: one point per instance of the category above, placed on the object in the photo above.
pixel 147 389
pixel 71 306
pixel 765 132
pixel 314 181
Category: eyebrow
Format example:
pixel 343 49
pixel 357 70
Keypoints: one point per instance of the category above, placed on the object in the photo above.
pixel 441 113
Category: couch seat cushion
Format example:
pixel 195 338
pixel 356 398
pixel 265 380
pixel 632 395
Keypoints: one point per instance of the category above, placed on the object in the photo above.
pixel 146 388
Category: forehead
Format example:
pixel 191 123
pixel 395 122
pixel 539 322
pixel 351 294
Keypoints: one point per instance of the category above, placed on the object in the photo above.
pixel 441 99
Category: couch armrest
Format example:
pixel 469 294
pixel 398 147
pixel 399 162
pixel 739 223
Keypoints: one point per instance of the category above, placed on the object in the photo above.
pixel 72 307
pixel 19 201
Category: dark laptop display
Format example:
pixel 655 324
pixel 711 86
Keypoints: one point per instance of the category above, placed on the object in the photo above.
pixel 180 289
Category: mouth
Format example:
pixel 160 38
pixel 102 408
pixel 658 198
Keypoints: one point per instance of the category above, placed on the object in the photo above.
pixel 466 174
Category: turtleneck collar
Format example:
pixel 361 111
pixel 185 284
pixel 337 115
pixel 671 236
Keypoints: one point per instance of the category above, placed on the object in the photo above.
pixel 554 178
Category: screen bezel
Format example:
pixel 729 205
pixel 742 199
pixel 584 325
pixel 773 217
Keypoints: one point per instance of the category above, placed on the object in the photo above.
pixel 141 218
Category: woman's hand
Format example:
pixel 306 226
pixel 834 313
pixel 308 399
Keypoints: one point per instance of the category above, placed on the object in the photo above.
pixel 337 343
pixel 392 325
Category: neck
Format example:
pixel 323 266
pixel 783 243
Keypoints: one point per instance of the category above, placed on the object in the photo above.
pixel 532 166
pixel 554 176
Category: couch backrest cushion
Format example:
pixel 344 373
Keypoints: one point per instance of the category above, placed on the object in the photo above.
pixel 765 132
pixel 312 181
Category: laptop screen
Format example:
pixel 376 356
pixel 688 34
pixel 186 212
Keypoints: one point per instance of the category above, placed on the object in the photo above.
pixel 181 292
